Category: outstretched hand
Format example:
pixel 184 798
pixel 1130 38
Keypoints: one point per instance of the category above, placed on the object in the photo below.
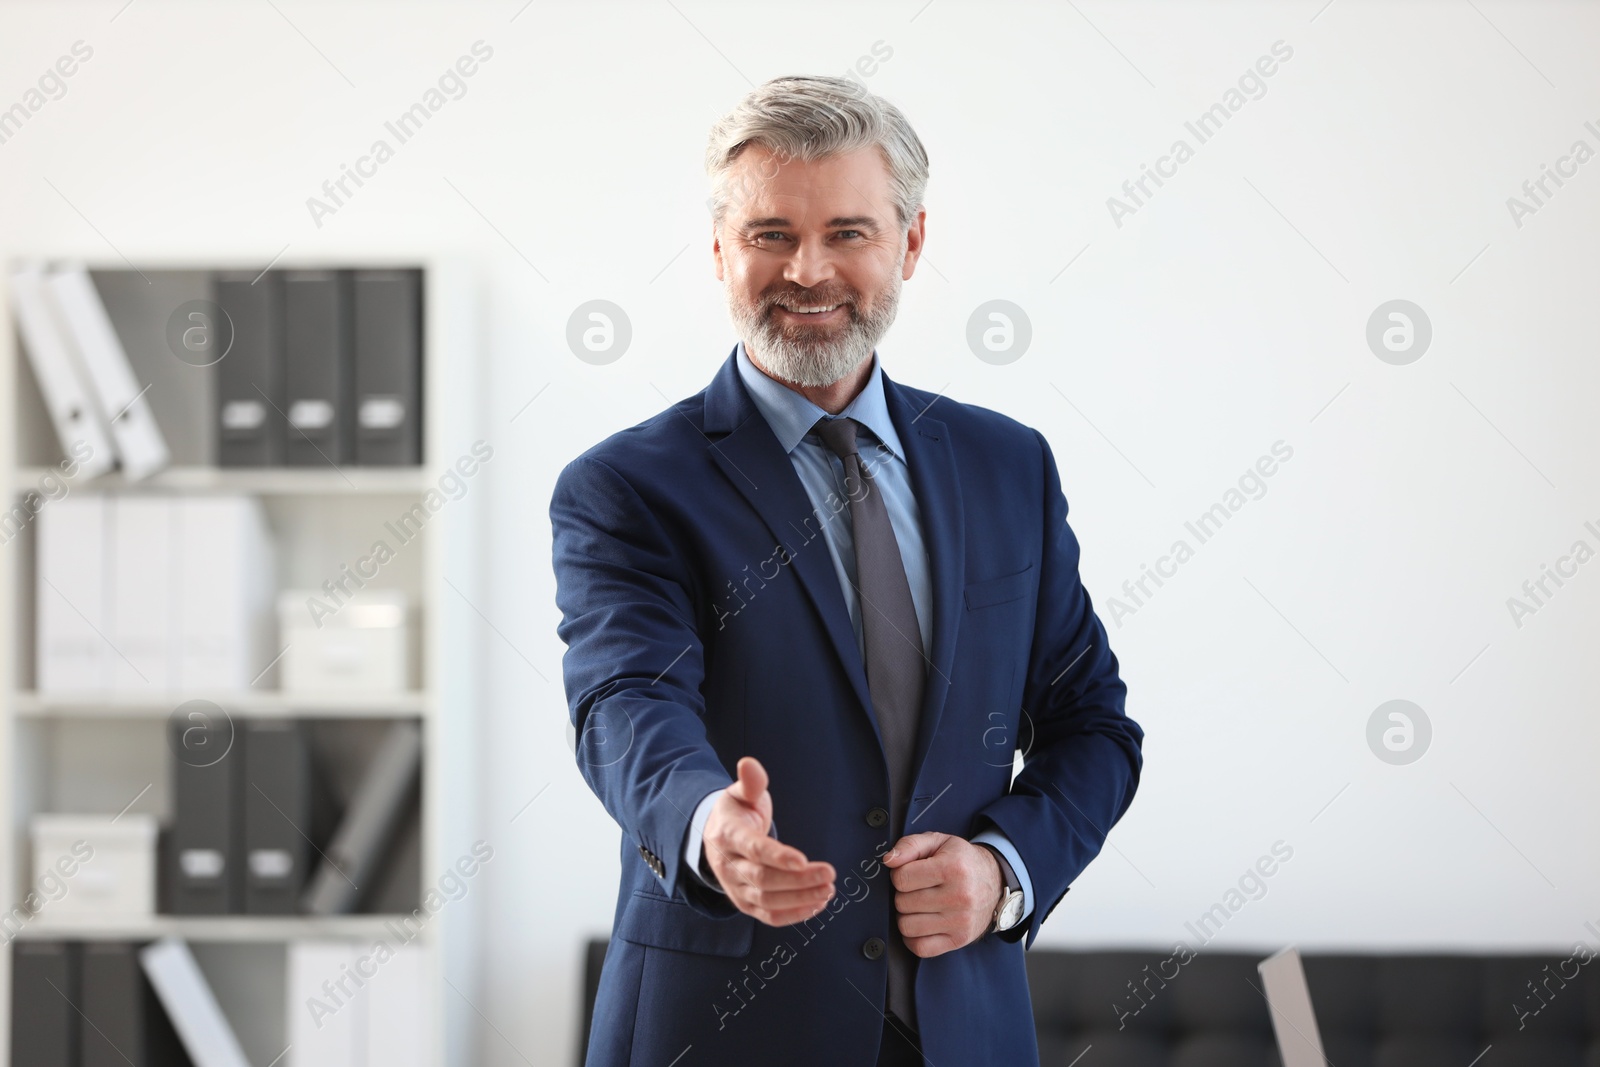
pixel 763 877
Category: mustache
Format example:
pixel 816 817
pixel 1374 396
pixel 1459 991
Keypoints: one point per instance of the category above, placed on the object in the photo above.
pixel 811 299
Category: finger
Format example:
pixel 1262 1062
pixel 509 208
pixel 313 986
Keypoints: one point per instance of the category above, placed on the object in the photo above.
pixel 935 945
pixel 765 877
pixel 924 901
pixel 914 926
pixel 786 900
pixel 767 851
pixel 752 781
pixel 914 847
pixel 785 917
pixel 918 874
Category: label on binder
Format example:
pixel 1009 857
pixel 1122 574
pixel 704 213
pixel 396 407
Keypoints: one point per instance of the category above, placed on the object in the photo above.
pixel 382 413
pixel 311 414
pixel 201 863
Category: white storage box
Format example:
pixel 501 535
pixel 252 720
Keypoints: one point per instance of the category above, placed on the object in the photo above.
pixel 88 867
pixel 358 645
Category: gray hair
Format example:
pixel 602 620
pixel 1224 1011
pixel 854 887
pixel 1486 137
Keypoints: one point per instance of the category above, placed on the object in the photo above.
pixel 809 117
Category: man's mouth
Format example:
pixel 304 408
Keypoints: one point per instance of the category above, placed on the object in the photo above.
pixel 809 312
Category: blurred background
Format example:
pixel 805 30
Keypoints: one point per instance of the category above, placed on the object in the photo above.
pixel 1337 348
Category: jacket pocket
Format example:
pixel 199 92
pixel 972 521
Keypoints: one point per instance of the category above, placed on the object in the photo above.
pixel 1007 587
pixel 662 923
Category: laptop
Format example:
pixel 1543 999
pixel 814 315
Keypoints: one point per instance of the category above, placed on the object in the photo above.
pixel 1289 1001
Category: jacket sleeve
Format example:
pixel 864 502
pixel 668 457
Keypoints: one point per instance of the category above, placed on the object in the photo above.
pixel 1081 770
pixel 633 670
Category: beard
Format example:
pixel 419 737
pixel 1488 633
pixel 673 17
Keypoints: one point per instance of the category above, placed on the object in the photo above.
pixel 814 355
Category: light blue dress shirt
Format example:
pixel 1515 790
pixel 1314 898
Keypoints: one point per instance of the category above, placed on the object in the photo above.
pixel 791 417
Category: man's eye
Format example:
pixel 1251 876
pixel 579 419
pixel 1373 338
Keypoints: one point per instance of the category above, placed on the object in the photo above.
pixel 856 233
pixel 772 234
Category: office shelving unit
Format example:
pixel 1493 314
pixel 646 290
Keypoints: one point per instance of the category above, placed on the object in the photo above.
pixel 97 752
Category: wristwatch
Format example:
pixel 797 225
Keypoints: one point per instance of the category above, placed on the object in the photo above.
pixel 1008 911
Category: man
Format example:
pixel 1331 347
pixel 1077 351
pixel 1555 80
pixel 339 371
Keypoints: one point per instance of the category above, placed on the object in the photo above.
pixel 810 599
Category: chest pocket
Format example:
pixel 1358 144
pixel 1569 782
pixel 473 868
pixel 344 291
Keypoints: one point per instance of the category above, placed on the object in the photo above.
pixel 988 592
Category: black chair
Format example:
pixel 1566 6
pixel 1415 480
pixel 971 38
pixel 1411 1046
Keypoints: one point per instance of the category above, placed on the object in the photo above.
pixel 1206 1009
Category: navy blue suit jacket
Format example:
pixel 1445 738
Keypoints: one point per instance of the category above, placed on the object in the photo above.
pixel 704 621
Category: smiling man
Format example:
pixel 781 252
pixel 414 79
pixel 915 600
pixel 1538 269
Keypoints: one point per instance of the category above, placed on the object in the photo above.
pixel 811 599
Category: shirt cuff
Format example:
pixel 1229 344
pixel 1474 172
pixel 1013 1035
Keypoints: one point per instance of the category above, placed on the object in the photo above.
pixel 697 829
pixel 1003 844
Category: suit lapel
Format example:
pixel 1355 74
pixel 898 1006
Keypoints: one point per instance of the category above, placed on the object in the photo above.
pixel 751 458
pixel 743 446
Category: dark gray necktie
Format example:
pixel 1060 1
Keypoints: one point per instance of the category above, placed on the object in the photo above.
pixel 896 667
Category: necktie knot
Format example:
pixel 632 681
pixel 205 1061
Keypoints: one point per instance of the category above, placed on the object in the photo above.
pixel 839 434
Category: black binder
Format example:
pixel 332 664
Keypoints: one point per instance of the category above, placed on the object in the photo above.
pixel 388 360
pixel 319 368
pixel 44 986
pixel 207 841
pixel 250 391
pixel 285 812
pixel 123 1022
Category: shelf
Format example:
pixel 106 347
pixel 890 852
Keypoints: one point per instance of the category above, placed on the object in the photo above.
pixel 271 481
pixel 225 928
pixel 92 750
pixel 264 704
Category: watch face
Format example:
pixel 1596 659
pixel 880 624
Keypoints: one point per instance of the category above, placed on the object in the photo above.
pixel 1010 911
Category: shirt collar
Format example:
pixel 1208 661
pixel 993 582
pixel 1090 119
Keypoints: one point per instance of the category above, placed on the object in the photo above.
pixel 791 415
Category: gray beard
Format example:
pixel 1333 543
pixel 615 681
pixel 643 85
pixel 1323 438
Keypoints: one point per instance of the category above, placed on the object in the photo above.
pixel 810 356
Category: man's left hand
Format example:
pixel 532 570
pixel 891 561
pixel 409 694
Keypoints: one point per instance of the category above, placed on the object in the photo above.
pixel 946 889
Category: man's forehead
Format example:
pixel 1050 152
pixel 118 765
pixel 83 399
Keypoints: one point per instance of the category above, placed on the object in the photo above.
pixel 834 191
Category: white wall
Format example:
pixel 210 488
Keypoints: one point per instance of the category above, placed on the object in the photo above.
pixel 1228 313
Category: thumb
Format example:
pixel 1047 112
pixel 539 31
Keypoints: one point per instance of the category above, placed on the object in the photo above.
pixel 752 783
pixel 913 847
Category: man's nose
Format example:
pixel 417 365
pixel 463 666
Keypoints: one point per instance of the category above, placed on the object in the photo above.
pixel 811 264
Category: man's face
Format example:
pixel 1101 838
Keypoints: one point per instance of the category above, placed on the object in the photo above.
pixel 799 237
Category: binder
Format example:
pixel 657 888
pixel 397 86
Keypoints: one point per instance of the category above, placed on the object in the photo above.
pixel 223 591
pixel 143 615
pixel 284 814
pixel 154 315
pixel 44 986
pixel 74 411
pixel 251 407
pixel 318 368
pixel 73 598
pixel 205 874
pixel 368 824
pixel 191 1005
pixel 326 1025
pixel 140 446
pixel 122 1022
pixel 388 367
pixel 400 1012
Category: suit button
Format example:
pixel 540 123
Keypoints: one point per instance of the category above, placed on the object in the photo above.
pixel 877 817
pixel 872 948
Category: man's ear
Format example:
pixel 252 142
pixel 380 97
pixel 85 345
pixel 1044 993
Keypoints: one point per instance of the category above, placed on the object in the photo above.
pixel 916 235
pixel 716 251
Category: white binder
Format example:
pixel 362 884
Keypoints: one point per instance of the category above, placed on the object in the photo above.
pixel 143 612
pixel 74 595
pixel 327 1025
pixel 400 1017
pixel 191 1005
pixel 224 583
pixel 74 411
pixel 140 446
